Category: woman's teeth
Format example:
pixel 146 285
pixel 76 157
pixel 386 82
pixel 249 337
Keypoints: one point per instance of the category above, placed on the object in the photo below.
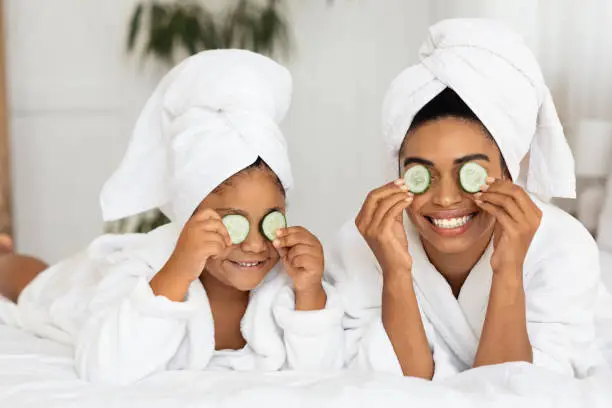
pixel 450 223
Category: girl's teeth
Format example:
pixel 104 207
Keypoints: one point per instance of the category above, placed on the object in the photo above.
pixel 247 264
pixel 450 223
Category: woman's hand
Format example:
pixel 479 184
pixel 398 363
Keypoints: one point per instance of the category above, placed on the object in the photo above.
pixel 517 220
pixel 380 222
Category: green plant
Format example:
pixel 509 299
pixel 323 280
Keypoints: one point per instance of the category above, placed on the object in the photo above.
pixel 140 223
pixel 188 26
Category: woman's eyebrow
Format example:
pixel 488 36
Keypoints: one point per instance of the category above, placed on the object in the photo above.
pixel 418 160
pixel 472 157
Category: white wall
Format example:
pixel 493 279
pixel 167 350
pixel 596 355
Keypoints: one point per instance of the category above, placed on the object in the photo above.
pixel 347 56
pixel 74 95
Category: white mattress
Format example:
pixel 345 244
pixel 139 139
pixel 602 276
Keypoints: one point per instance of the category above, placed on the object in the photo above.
pixel 38 373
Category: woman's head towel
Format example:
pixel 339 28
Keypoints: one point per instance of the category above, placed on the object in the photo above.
pixel 210 117
pixel 497 76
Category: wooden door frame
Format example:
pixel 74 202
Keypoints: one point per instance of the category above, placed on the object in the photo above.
pixel 5 176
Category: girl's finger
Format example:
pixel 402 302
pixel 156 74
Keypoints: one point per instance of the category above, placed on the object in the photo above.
pixel 216 226
pixel 293 239
pixel 300 250
pixel 203 213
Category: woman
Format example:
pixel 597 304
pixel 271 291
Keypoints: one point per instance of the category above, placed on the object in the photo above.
pixel 224 285
pixel 475 274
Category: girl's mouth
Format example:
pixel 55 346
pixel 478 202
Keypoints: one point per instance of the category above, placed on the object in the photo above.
pixel 249 265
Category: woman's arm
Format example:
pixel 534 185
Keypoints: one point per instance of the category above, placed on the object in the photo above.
pixel 402 321
pixel 504 335
pixel 380 224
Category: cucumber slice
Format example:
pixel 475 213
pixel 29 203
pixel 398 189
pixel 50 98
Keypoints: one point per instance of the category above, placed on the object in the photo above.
pixel 237 226
pixel 272 223
pixel 472 176
pixel 417 179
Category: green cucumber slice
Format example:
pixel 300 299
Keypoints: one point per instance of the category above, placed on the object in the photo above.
pixel 472 176
pixel 272 223
pixel 237 226
pixel 417 179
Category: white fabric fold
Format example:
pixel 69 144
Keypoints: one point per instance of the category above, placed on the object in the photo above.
pixel 210 117
pixel 497 76
pixel 100 302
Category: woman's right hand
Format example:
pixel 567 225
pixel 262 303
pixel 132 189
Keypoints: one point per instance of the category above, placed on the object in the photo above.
pixel 203 237
pixel 380 222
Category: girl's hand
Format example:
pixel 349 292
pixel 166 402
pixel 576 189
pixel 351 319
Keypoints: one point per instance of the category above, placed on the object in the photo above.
pixel 203 237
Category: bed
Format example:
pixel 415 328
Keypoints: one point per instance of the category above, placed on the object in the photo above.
pixel 35 372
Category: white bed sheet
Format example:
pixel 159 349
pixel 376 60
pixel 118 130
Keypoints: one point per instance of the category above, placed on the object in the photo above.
pixel 38 373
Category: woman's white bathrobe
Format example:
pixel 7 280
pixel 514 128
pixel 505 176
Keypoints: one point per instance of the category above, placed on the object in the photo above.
pixel 100 302
pixel 496 75
pixel 561 280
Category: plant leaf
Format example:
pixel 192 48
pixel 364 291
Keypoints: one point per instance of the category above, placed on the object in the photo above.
pixel 135 26
pixel 272 29
pixel 187 24
pixel 211 33
pixel 161 37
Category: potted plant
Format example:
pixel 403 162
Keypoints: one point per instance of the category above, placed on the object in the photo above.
pixel 188 27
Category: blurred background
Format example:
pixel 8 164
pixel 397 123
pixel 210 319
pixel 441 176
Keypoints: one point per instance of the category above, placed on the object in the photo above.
pixel 74 75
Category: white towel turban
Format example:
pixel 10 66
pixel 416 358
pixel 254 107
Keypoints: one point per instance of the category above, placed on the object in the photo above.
pixel 210 117
pixel 494 72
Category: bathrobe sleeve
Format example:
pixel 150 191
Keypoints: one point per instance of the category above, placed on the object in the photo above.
pixel 561 288
pixel 131 333
pixel 314 340
pixel 356 275
pixel 354 272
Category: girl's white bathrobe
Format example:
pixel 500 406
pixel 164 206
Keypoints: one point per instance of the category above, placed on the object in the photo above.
pixel 561 281
pixel 213 115
pixel 100 302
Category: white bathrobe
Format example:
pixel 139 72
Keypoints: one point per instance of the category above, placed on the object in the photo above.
pixel 561 280
pixel 496 75
pixel 100 302
pixel 213 115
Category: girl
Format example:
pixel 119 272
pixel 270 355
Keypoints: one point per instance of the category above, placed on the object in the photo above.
pixel 480 271
pixel 225 285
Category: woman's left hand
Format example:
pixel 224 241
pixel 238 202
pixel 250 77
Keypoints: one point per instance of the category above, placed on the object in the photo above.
pixel 517 220
pixel 302 256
